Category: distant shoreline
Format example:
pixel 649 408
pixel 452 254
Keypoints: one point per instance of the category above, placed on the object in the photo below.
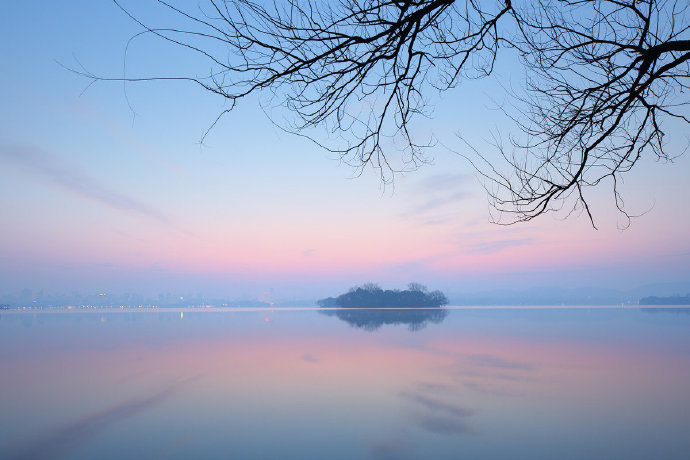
pixel 665 301
pixel 192 309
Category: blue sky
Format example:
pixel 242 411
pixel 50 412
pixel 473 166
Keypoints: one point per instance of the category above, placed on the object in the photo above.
pixel 109 189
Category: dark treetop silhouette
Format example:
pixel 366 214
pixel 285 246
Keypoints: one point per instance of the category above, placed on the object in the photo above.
pixel 371 295
pixel 362 307
pixel 601 79
pixel 673 300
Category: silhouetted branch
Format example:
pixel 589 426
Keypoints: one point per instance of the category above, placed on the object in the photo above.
pixel 602 77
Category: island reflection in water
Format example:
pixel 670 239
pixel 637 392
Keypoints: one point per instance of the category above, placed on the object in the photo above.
pixel 296 384
pixel 371 319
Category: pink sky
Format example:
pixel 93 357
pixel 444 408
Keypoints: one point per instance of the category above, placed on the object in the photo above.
pixel 95 198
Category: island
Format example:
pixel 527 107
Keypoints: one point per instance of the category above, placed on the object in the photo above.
pixel 369 307
pixel 370 295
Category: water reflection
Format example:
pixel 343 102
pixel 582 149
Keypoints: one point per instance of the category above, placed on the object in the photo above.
pixel 437 415
pixel 667 310
pixel 372 319
pixel 63 439
pixel 487 384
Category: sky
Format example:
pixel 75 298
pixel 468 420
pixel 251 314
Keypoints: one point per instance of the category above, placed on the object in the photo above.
pixel 107 188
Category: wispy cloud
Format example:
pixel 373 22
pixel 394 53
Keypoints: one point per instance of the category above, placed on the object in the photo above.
pixel 420 265
pixel 398 449
pixel 433 387
pixel 436 405
pixel 492 374
pixel 487 247
pixel 492 388
pixel 435 203
pixel 70 178
pixel 484 360
pixel 444 182
pixel 437 192
pixel 444 425
pixel 309 358
pixel 441 219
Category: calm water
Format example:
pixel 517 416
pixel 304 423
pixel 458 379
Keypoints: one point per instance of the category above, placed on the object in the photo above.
pixel 470 383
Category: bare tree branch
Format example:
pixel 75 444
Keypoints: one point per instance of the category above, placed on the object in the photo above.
pixel 602 77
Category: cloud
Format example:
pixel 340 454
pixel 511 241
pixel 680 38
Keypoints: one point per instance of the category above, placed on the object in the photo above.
pixel 444 425
pixel 310 358
pixel 444 219
pixel 444 182
pixel 73 180
pixel 105 265
pixel 498 363
pixel 433 387
pixel 492 375
pixel 438 202
pixel 308 252
pixel 391 449
pixel 488 247
pixel 436 406
pixel 492 389
pixel 417 266
pixel 436 192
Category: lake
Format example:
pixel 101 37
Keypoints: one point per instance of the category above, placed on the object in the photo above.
pixel 478 383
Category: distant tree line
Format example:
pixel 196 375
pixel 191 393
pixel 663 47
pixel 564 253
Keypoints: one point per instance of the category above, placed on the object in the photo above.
pixel 674 300
pixel 370 295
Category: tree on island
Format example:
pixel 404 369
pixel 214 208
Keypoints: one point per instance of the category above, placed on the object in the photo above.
pixel 370 295
pixel 602 81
